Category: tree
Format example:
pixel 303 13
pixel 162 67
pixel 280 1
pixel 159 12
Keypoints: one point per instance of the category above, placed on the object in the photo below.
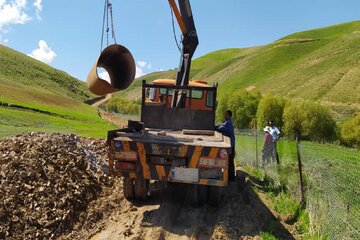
pixel 123 106
pixel 221 107
pixel 243 105
pixel 350 132
pixel 309 121
pixel 270 108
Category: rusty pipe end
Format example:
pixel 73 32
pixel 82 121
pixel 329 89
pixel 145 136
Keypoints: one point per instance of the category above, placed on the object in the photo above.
pixel 120 65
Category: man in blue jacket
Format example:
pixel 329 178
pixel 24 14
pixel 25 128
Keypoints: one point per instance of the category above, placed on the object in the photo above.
pixel 227 129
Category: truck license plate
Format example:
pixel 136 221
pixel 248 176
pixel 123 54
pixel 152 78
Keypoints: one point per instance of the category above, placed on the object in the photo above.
pixel 185 174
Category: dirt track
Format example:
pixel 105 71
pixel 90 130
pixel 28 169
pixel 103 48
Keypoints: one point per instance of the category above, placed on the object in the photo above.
pixel 32 164
pixel 170 216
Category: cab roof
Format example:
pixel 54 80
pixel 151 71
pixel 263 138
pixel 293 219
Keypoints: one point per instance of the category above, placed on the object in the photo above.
pixel 192 83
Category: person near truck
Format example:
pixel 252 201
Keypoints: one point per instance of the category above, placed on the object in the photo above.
pixel 267 147
pixel 227 129
pixel 275 134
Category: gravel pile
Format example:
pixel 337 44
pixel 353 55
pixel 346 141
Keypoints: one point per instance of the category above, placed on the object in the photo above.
pixel 47 182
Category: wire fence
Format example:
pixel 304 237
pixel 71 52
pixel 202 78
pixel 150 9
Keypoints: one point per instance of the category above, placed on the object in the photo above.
pixel 329 186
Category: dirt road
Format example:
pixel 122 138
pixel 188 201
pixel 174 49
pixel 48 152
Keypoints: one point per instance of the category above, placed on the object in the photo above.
pixel 51 190
pixel 169 215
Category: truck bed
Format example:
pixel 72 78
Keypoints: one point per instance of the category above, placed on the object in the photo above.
pixel 202 138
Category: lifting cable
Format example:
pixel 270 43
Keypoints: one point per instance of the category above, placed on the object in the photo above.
pixel 107 13
pixel 173 27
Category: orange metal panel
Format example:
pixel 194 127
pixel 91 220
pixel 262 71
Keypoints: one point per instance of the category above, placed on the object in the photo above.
pixel 195 157
pixel 142 156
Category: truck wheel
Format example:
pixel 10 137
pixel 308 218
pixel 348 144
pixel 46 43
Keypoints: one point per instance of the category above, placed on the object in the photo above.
pixel 202 194
pixel 214 195
pixel 141 188
pixel 240 180
pixel 195 194
pixel 128 188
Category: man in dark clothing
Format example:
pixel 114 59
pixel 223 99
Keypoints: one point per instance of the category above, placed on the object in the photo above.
pixel 227 129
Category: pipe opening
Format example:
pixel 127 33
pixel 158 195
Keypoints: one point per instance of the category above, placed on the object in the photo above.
pixel 103 74
pixel 119 64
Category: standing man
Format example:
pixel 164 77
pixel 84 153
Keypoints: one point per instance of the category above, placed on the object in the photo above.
pixel 275 133
pixel 227 129
pixel 267 147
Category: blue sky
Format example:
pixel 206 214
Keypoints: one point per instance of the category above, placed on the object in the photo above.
pixel 66 34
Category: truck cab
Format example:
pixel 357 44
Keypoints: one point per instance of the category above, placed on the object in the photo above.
pixel 198 98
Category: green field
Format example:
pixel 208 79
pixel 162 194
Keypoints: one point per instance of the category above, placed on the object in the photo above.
pixel 14 121
pixel 331 179
pixel 37 97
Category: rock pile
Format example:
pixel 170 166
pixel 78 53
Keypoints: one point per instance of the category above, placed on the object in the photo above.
pixel 46 182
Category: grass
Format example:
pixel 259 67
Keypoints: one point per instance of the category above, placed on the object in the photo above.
pixel 320 65
pixel 43 99
pixel 13 122
pixel 330 175
pixel 21 72
pixel 267 236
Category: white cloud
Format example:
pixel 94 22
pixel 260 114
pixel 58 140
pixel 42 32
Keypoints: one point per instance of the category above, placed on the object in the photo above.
pixel 15 12
pixel 139 72
pixel 140 66
pixel 12 13
pixel 38 7
pixel 43 53
pixel 3 41
pixel 141 63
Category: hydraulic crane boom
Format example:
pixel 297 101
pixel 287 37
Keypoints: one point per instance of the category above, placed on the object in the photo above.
pixel 189 44
pixel 120 65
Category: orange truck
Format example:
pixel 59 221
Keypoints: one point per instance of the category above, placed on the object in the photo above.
pixel 174 142
pixel 176 145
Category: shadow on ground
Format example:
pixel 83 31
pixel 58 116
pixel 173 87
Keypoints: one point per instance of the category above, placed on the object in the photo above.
pixel 240 215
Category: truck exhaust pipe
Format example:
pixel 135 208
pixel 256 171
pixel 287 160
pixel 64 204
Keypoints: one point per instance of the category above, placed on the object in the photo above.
pixel 120 65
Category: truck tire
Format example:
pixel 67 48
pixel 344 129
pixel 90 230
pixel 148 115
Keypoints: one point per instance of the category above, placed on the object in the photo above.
pixel 195 194
pixel 141 188
pixel 240 180
pixel 202 194
pixel 214 195
pixel 128 188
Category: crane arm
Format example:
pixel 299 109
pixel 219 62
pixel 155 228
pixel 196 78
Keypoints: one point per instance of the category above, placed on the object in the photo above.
pixel 119 63
pixel 190 41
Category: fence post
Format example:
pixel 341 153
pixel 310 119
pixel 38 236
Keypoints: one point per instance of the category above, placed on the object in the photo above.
pixel 256 145
pixel 347 220
pixel 302 202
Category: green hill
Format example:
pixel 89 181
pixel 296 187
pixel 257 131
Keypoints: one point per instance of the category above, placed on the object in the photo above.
pixel 320 64
pixel 37 97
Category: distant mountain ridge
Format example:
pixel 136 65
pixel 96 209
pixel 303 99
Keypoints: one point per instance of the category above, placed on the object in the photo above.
pixel 321 65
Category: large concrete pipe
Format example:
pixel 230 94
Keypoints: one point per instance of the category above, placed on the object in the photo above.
pixel 120 65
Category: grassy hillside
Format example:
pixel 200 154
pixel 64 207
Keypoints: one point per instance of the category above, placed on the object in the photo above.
pixel 134 90
pixel 321 65
pixel 37 97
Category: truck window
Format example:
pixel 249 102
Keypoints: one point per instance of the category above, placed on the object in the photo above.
pixel 195 94
pixel 209 98
pixel 163 91
pixel 152 94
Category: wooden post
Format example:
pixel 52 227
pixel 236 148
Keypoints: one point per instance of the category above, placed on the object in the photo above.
pixel 256 145
pixel 302 200
pixel 347 220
